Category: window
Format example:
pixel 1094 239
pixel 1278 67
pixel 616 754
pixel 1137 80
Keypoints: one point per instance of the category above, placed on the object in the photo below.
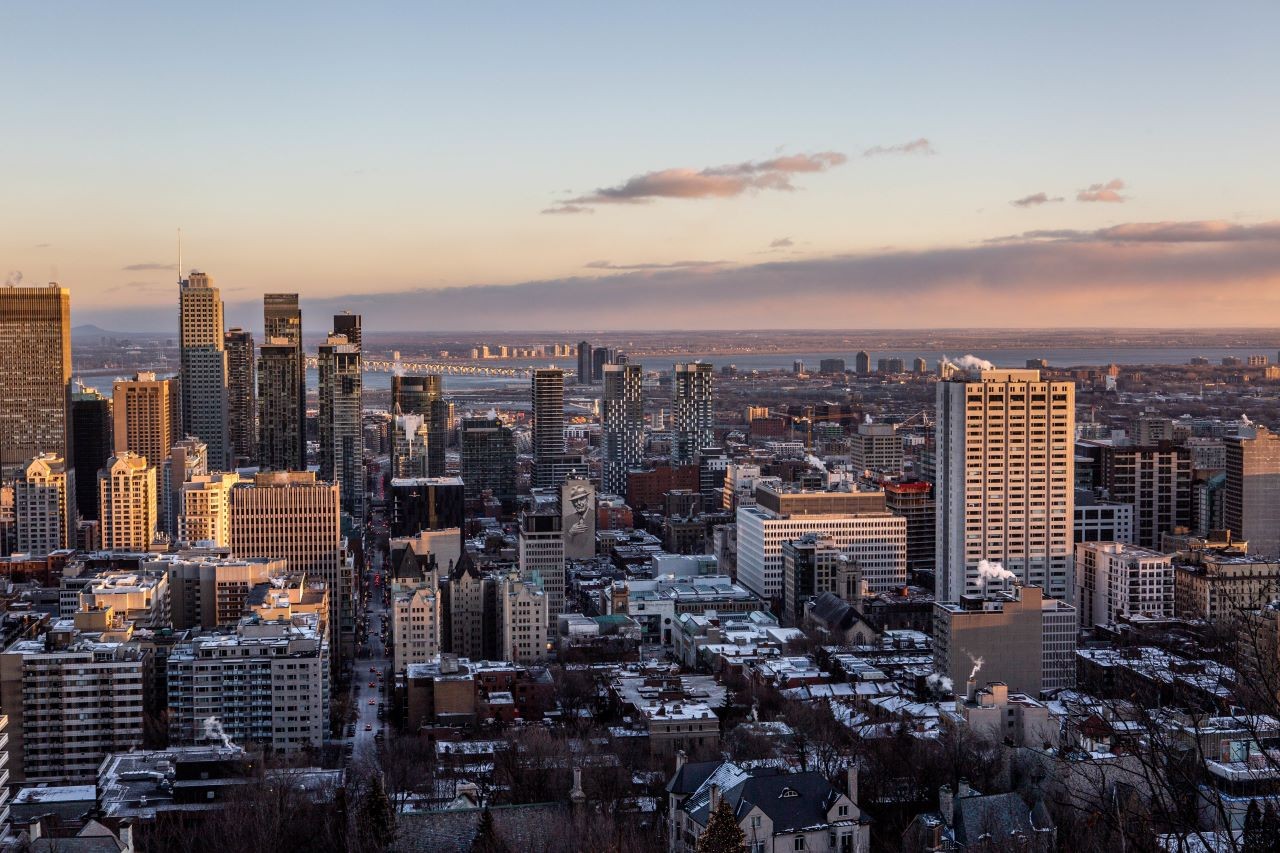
pixel 799 843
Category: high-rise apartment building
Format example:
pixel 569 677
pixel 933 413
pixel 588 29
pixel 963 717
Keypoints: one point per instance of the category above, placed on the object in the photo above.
pixel 488 459
pixel 523 617
pixel 422 397
pixel 914 502
pixel 472 622
pixel 548 422
pixel 584 363
pixel 1251 505
pixel 92 445
pixel 862 363
pixel 204 509
pixel 35 374
pixel 289 515
pixel 622 425
pixel 187 460
pixel 541 557
pixel 211 592
pixel 342 421
pixel 72 696
pixel 690 411
pixel 242 396
pixel 127 496
pixel 147 415
pixel 203 361
pixel 1005 481
pixel 282 386
pixel 349 326
pixel 1156 479
pixel 1114 579
pixel 267 683
pixel 44 506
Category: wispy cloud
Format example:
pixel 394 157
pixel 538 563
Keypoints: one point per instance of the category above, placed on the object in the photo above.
pixel 915 146
pixel 1108 192
pixel 782 243
pixel 569 208
pixel 675 265
pixel 1034 200
pixel 712 182
pixel 1193 231
pixel 149 267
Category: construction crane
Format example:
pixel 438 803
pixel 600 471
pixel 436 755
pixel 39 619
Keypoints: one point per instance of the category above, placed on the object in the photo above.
pixel 807 417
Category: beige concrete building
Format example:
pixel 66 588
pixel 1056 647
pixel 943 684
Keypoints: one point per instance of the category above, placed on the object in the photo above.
pixel 997 715
pixel 1020 638
pixel 290 515
pixel 204 513
pixel 856 521
pixel 1114 579
pixel 415 623
pixel 1251 503
pixel 188 459
pixel 146 415
pixel 203 357
pixel 541 559
pixel 72 697
pixel 44 506
pixel 35 373
pixel 876 447
pixel 1218 585
pixel 212 592
pixel 138 597
pixel 127 503
pixel 522 620
pixel 1005 480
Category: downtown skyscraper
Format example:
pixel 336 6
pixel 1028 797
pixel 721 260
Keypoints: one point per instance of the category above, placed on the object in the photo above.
pixel 341 419
pixel 282 387
pixel 1005 487
pixel 242 396
pixel 548 423
pixel 690 411
pixel 203 367
pixel 622 425
pixel 420 397
pixel 35 374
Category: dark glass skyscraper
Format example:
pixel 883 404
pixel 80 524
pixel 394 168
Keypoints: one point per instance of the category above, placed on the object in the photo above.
pixel 342 419
pixel 282 387
pixel 242 397
pixel 584 363
pixel 488 459
pixel 423 395
pixel 92 443
pixel 426 503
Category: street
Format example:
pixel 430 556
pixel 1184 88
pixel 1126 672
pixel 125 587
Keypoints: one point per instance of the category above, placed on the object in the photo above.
pixel 367 669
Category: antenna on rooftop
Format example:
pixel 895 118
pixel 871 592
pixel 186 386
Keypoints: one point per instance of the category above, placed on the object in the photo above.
pixel 179 256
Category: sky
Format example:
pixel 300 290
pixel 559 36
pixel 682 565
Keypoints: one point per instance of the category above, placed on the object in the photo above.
pixel 549 166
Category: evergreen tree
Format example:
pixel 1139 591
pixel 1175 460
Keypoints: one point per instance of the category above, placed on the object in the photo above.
pixel 376 820
pixel 723 835
pixel 487 839
pixel 1254 838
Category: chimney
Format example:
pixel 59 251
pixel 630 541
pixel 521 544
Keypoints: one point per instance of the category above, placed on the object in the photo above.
pixel 715 796
pixel 946 804
pixel 851 781
pixel 971 690
pixel 964 790
pixel 577 796
pixel 680 759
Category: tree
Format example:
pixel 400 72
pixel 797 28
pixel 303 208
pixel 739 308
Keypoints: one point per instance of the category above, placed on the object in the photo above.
pixel 375 818
pixel 487 839
pixel 723 835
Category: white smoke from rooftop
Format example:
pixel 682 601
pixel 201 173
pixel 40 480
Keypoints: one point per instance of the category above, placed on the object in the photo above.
pixel 939 683
pixel 866 418
pixel 14 278
pixel 992 570
pixel 977 666
pixel 213 731
pixel 969 362
pixel 815 462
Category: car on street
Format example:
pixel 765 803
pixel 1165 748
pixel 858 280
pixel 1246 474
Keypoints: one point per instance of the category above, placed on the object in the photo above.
pixel 368 727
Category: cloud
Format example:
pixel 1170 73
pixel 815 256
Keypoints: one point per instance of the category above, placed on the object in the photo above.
pixel 782 243
pixel 1110 191
pixel 915 146
pixel 1194 231
pixel 1137 274
pixel 675 265
pixel 44 245
pixel 147 267
pixel 569 208
pixel 1034 200
pixel 712 182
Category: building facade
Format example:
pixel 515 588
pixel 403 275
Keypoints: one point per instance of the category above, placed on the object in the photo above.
pixel 282 387
pixel 622 425
pixel 1251 503
pixel 127 501
pixel 341 421
pixel 691 413
pixel 1114 580
pixel 242 396
pixel 44 506
pixel 1005 480
pixel 548 424
pixel 203 367
pixel 35 373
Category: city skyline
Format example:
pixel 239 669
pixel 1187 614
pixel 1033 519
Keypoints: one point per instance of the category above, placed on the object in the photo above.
pixel 439 165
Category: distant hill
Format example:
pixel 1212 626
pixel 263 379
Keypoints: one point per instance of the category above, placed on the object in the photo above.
pixel 90 333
